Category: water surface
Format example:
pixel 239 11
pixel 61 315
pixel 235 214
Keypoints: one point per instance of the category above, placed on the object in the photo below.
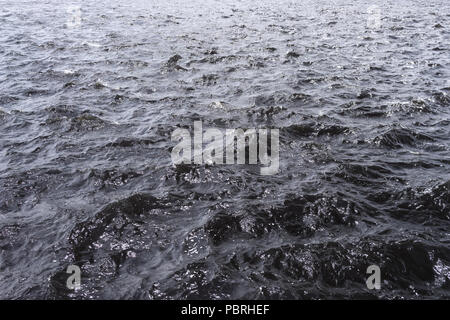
pixel 88 106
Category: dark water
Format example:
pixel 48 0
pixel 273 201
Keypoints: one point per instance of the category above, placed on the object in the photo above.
pixel 86 116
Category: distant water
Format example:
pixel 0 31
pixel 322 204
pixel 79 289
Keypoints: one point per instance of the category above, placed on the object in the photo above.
pixel 89 97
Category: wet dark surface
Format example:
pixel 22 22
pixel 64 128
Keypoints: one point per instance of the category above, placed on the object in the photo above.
pixel 86 116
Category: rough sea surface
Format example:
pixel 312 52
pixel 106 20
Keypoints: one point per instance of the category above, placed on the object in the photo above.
pixel 88 104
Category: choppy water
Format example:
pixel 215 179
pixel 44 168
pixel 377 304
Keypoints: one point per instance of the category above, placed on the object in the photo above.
pixel 87 108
